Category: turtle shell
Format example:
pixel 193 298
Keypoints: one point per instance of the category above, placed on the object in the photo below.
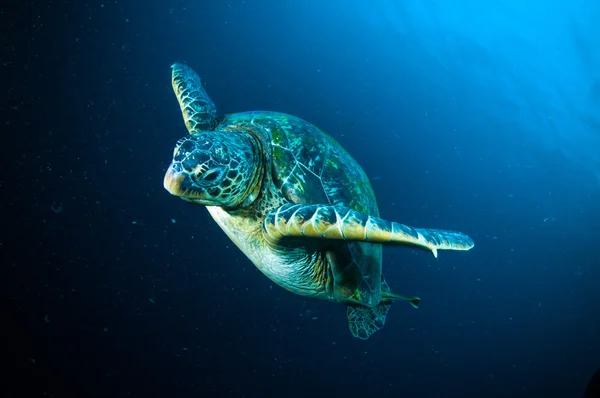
pixel 310 167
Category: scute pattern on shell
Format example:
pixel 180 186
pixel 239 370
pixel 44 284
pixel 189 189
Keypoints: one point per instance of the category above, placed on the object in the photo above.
pixel 308 165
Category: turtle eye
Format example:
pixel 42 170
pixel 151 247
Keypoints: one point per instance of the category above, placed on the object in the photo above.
pixel 212 175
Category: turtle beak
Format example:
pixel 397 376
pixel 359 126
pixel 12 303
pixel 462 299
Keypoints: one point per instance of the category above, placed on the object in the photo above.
pixel 174 181
pixel 180 184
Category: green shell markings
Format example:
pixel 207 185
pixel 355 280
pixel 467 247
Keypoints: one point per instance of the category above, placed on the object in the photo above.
pixel 294 202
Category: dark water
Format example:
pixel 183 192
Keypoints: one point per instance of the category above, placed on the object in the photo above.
pixel 482 120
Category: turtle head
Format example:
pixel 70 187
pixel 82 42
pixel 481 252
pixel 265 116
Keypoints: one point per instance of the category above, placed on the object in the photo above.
pixel 215 168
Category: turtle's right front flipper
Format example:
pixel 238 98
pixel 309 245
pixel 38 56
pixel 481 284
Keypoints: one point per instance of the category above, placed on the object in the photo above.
pixel 343 223
pixel 199 111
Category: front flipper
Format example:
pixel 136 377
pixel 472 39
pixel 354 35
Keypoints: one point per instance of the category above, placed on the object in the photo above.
pixel 199 111
pixel 343 223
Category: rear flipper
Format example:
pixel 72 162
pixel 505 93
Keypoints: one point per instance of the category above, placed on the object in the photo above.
pixel 365 321
pixel 386 296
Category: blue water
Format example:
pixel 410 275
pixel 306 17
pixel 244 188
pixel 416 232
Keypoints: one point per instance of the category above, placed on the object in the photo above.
pixel 474 116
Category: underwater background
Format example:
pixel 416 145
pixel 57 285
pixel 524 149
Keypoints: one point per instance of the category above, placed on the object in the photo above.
pixel 480 117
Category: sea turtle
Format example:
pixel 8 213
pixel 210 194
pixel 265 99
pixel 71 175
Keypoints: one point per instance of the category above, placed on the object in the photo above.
pixel 294 202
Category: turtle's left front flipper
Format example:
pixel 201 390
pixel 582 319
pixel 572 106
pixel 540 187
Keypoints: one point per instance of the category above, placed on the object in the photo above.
pixel 343 223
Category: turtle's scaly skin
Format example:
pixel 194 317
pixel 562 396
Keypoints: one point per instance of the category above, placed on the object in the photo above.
pixel 294 201
pixel 198 110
